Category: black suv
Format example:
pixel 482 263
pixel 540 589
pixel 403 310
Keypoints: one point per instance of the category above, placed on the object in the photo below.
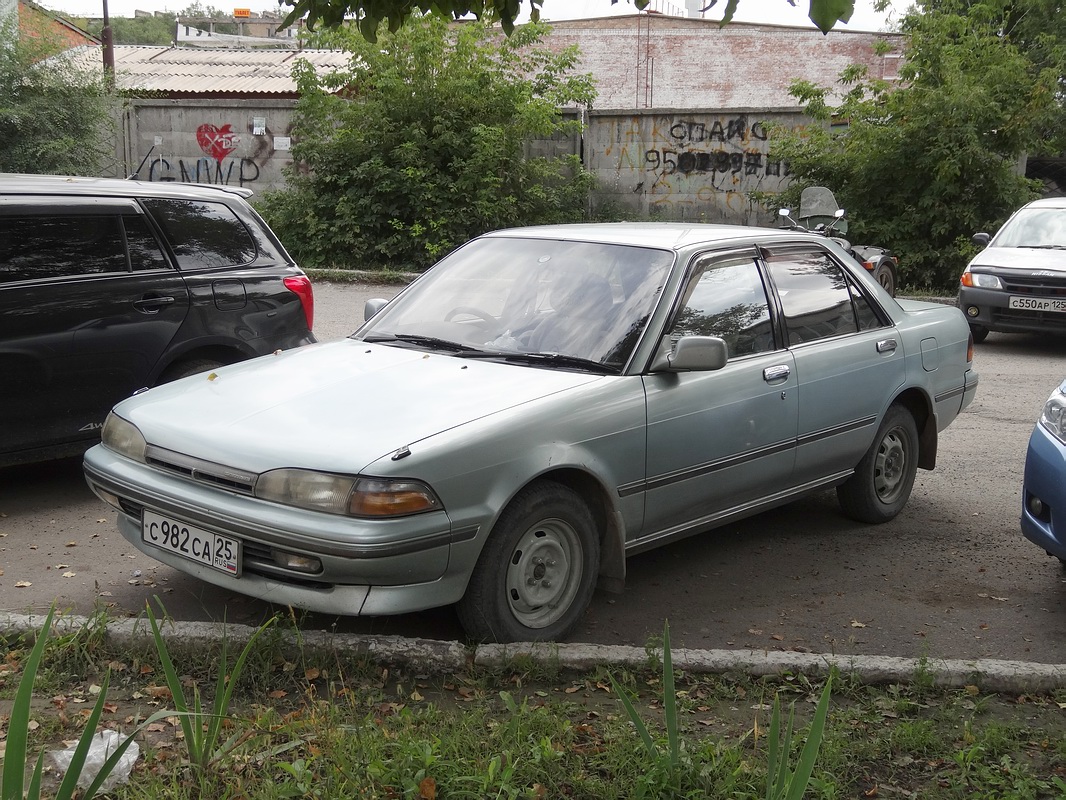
pixel 107 286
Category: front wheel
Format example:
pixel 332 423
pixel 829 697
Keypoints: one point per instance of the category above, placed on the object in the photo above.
pixel 881 484
pixel 537 571
pixel 979 333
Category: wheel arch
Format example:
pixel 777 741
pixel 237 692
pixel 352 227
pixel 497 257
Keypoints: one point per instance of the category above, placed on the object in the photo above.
pixel 223 354
pixel 917 403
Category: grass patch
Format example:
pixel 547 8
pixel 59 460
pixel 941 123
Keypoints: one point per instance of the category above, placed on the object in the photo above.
pixel 334 724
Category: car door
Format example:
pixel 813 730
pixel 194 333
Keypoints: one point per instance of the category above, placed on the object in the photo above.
pixel 848 358
pixel 88 303
pixel 719 440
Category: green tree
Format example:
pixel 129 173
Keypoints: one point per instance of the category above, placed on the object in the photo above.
pixel 421 143
pixel 395 13
pixel 54 118
pixel 154 29
pixel 922 166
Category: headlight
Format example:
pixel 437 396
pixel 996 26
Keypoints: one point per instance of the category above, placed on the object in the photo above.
pixel 981 280
pixel 1053 417
pixel 123 437
pixel 341 494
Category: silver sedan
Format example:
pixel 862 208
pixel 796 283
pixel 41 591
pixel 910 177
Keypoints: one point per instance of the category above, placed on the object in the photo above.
pixel 536 407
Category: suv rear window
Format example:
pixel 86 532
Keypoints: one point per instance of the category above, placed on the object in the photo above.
pixel 203 234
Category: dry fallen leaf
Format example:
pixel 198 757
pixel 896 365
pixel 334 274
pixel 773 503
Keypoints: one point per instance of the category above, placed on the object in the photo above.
pixel 427 789
pixel 22 584
pixel 776 636
pixel 856 624
pixel 71 544
pixel 69 574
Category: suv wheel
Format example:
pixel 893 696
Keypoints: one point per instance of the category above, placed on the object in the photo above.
pixel 183 369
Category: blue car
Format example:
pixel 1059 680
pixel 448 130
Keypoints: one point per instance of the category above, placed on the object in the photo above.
pixel 1044 487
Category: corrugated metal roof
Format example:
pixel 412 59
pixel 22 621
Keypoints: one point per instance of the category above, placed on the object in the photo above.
pixel 200 71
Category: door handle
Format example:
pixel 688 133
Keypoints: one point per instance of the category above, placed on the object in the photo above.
pixel 886 346
pixel 150 305
pixel 776 374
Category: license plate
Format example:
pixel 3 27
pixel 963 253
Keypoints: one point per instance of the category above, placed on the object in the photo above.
pixel 210 549
pixel 1038 303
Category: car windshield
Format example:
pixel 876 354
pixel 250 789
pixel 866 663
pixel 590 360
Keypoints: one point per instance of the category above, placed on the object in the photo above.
pixel 1034 227
pixel 515 297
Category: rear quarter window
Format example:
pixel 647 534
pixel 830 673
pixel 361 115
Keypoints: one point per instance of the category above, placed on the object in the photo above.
pixel 203 234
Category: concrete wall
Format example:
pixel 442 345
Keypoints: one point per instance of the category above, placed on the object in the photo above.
pixel 234 142
pixel 697 165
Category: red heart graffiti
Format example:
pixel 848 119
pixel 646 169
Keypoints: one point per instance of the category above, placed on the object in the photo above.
pixel 217 142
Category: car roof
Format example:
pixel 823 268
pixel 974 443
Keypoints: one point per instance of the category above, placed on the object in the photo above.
pixel 666 235
pixel 15 183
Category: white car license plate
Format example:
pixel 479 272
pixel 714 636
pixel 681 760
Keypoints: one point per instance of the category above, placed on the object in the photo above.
pixel 210 549
pixel 1038 303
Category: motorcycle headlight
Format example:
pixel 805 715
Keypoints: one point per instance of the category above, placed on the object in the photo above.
pixel 123 437
pixel 1053 417
pixel 343 494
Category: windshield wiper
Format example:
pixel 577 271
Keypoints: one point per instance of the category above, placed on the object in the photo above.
pixel 550 359
pixel 1046 246
pixel 429 342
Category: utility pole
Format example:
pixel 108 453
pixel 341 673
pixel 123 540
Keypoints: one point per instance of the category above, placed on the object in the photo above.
pixel 109 51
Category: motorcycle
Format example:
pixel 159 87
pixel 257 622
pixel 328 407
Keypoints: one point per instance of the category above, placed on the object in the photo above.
pixel 819 213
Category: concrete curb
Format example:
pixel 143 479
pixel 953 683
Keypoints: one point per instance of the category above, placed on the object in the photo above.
pixel 432 656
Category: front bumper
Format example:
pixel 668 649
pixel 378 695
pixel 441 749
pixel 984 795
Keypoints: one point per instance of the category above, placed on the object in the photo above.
pixel 1045 479
pixel 369 567
pixel 993 312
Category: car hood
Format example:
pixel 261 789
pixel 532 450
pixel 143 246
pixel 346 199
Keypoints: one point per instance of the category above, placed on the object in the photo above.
pixel 1021 258
pixel 333 407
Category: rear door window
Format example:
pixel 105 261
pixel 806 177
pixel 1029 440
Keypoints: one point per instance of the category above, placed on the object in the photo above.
pixel 203 234
pixel 40 247
pixel 818 298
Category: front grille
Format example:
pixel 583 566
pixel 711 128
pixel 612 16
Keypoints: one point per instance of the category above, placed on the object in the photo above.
pixel 206 472
pixel 1037 285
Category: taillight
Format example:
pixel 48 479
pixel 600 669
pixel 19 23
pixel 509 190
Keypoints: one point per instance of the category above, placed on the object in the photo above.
pixel 300 285
pixel 969 350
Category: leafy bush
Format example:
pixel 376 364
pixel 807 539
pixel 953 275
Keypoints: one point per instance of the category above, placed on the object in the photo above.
pixel 54 118
pixel 420 144
pixel 922 165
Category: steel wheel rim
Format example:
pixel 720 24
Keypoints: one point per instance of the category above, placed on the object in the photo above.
pixel 543 573
pixel 890 466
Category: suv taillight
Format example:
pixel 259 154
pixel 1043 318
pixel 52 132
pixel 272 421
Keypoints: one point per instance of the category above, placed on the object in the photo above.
pixel 301 287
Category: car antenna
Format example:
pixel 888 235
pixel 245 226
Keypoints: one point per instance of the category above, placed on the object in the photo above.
pixel 141 166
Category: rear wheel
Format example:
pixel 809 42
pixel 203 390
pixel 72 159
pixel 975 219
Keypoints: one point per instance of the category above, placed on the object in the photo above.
pixel 882 481
pixel 885 275
pixel 537 571
pixel 183 369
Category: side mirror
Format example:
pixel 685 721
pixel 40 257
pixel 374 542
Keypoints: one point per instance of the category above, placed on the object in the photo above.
pixel 784 212
pixel 981 239
pixel 372 307
pixel 691 354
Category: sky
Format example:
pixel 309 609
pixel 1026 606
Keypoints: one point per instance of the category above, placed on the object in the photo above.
pixel 772 11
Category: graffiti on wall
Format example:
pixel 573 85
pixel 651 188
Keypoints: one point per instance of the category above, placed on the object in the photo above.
pixel 689 165
pixel 219 163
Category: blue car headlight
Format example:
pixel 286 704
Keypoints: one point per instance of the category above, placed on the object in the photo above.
pixel 1053 417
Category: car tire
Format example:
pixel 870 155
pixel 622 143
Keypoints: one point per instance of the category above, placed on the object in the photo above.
pixel 882 482
pixel 885 275
pixel 979 333
pixel 183 369
pixel 537 571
